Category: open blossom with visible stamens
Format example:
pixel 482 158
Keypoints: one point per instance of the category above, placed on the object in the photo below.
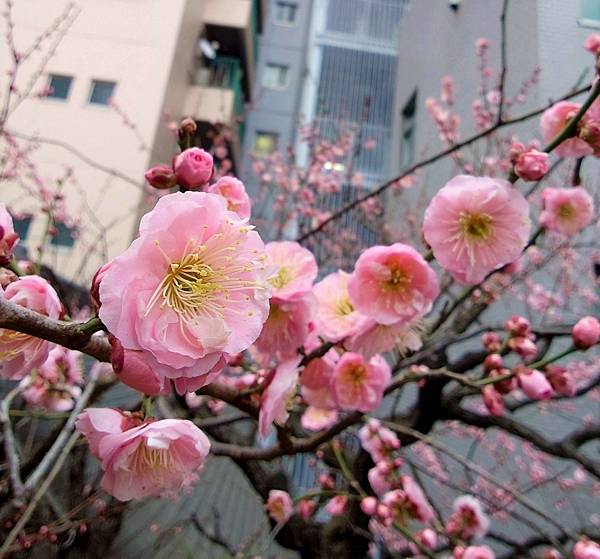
pixel 297 269
pixel 371 337
pixel 275 398
pixel 358 384
pixel 279 506
pixel 566 210
pixel 234 191
pixel 392 284
pixel 336 317
pixel 20 353
pixel 142 459
pixel 553 122
pixel 468 519
pixel 190 290
pixel 475 225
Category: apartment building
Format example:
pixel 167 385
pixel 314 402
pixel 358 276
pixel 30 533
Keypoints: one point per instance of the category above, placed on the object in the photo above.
pixel 155 61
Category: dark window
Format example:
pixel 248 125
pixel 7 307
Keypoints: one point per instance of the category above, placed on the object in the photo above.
pixel 22 225
pixel 407 148
pixel 101 92
pixel 59 86
pixel 286 12
pixel 275 76
pixel 65 236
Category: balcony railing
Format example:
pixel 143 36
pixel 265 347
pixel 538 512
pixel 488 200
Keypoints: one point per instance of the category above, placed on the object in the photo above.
pixel 224 72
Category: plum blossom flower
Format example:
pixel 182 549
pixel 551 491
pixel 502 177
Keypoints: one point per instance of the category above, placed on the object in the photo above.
pixel 318 419
pixel 317 381
pixel 468 519
pixel 566 210
pixel 234 191
pixel 279 506
pixel 371 337
pixel 478 552
pixel 586 332
pixel 54 385
pixel 592 43
pixel 337 505
pixel 143 459
pixel 552 123
pixel 475 225
pixel 275 398
pixel 336 317
pixel 193 167
pixel 287 326
pixel 392 284
pixel 8 237
pixel 377 440
pixel 20 353
pixel 190 290
pixel 358 384
pixel 297 269
pixel 531 165
pixel 408 503
pixel 586 549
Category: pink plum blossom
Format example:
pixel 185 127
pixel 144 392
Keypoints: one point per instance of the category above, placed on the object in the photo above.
pixel 193 168
pixel 8 237
pixel 586 549
pixel 468 519
pixel 478 552
pixel 20 353
pixel 408 503
pixel 566 210
pixel 532 165
pixel 358 384
pixel 149 459
pixel 475 225
pixel 318 419
pixel 392 284
pixel 190 290
pixel 493 401
pixel 317 381
pixel 296 269
pixel 534 383
pixel 275 398
pixel 161 177
pixel 287 326
pixel 377 440
pixel 561 380
pixel 279 506
pixel 592 43
pixel 371 337
pixel 586 332
pixel 336 317
pixel 234 191
pixel 554 120
pixel 337 505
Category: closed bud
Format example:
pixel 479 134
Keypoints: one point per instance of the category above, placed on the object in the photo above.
pixel 492 361
pixel 161 177
pixel 586 332
pixel 188 126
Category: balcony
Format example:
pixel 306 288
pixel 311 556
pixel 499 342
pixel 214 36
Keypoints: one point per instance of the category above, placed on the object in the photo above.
pixel 234 24
pixel 216 92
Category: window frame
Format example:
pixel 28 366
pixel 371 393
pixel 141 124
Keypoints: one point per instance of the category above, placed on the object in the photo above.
pixel 51 76
pixel 584 21
pixel 93 84
pixel 408 130
pixel 277 66
pixel 286 23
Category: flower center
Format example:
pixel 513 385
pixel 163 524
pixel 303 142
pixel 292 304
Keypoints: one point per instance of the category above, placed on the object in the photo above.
pixel 399 279
pixel 356 374
pixel 344 307
pixel 283 277
pixel 157 461
pixel 476 226
pixel 566 211
pixel 11 337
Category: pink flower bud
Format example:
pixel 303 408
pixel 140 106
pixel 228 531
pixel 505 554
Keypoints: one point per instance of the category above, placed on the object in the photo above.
pixel 586 332
pixel 188 126
pixel 132 369
pixel 592 43
pixel 516 149
pixel 517 326
pixel 193 168
pixel 586 549
pixel 369 506
pixel 534 383
pixel 493 401
pixel 525 347
pixel 161 177
pixel 492 361
pixel 95 289
pixel 8 237
pixel 491 341
pixel 561 380
pixel 504 386
pixel 306 508
pixel 532 165
pixel 478 552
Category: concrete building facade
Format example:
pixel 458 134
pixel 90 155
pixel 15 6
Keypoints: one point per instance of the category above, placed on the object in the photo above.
pixel 145 56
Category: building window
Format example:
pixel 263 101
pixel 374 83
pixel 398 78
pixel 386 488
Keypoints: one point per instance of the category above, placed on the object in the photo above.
pixel 22 225
pixel 590 13
pixel 265 143
pixel 101 92
pixel 64 236
pixel 59 86
pixel 286 12
pixel 275 76
pixel 407 147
